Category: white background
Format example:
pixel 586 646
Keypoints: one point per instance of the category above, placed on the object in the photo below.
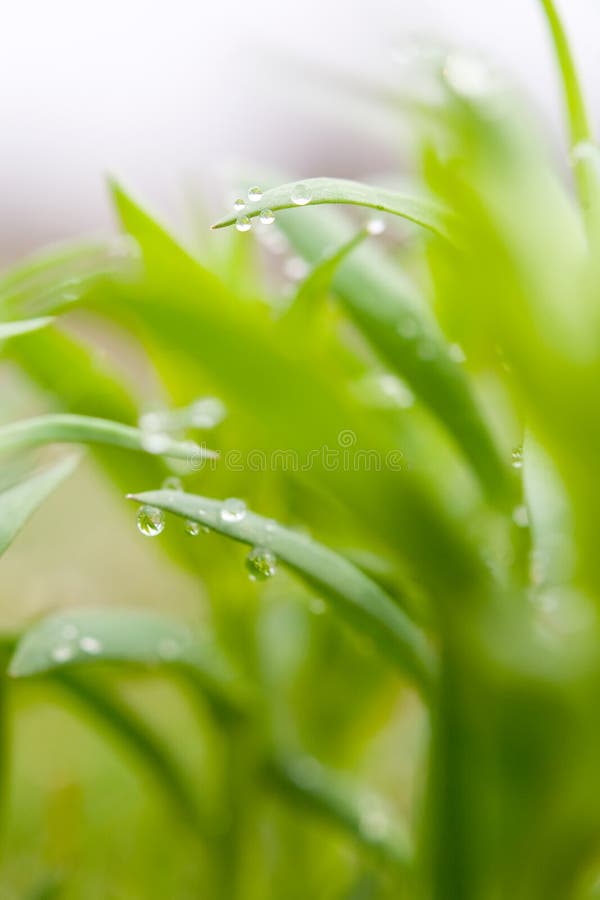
pixel 163 95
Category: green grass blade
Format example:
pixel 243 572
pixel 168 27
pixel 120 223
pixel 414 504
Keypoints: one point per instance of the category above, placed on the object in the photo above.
pixel 24 326
pixel 87 636
pixel 129 730
pixel 580 129
pixel 63 428
pixel 387 310
pixel 349 590
pixel 57 278
pixel 318 282
pixel 338 191
pixel 18 503
pixel 306 783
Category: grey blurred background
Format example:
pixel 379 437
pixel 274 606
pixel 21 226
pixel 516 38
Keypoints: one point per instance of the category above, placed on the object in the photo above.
pixel 166 95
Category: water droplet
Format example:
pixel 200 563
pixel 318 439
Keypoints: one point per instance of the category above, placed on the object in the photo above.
pixel 169 648
pixel 267 216
pixel 233 510
pixel 239 204
pixel 207 412
pixel 374 823
pixel 150 520
pixel 90 645
pixel 585 150
pixel 520 516
pixel 62 653
pixel 409 328
pixel 317 606
pixel 468 76
pixel 150 421
pixel 172 483
pixel 301 194
pixel 243 223
pixel 375 226
pixel 192 528
pixel 69 631
pixel 396 391
pixel 261 564
pixel 255 194
pixel 516 457
pixel 456 353
pixel 155 442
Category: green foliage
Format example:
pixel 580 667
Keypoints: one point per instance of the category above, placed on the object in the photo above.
pixel 418 424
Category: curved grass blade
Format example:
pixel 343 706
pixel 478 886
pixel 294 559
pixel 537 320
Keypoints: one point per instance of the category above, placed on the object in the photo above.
pixel 64 428
pixel 580 128
pixel 23 326
pixel 86 636
pixel 385 308
pixel 317 283
pixel 358 599
pixel 129 729
pixel 57 278
pixel 18 503
pixel 307 783
pixel 421 211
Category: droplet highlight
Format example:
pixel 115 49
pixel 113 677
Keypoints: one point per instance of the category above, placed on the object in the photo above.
pixel 375 227
pixel 243 223
pixel 516 457
pixel 172 483
pixel 261 564
pixel 301 194
pixel 232 510
pixel 90 645
pixel 267 216
pixel 150 521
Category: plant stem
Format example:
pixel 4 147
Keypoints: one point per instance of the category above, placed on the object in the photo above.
pixel 578 120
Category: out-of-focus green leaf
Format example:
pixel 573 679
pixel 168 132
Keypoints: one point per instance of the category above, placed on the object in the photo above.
pixel 317 191
pixel 64 428
pixel 74 637
pixel 23 326
pixel 18 503
pixel 128 729
pixel 365 818
pixel 287 405
pixel 388 311
pixel 358 599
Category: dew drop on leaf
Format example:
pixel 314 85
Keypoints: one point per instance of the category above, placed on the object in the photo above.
pixel 192 528
pixel 90 645
pixel 69 631
pixel 239 204
pixel 517 457
pixel 62 653
pixel 374 823
pixel 255 194
pixel 301 194
pixel 172 483
pixel 243 223
pixel 267 216
pixel 154 442
pixel 150 521
pixel 232 510
pixel 261 564
pixel 520 516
